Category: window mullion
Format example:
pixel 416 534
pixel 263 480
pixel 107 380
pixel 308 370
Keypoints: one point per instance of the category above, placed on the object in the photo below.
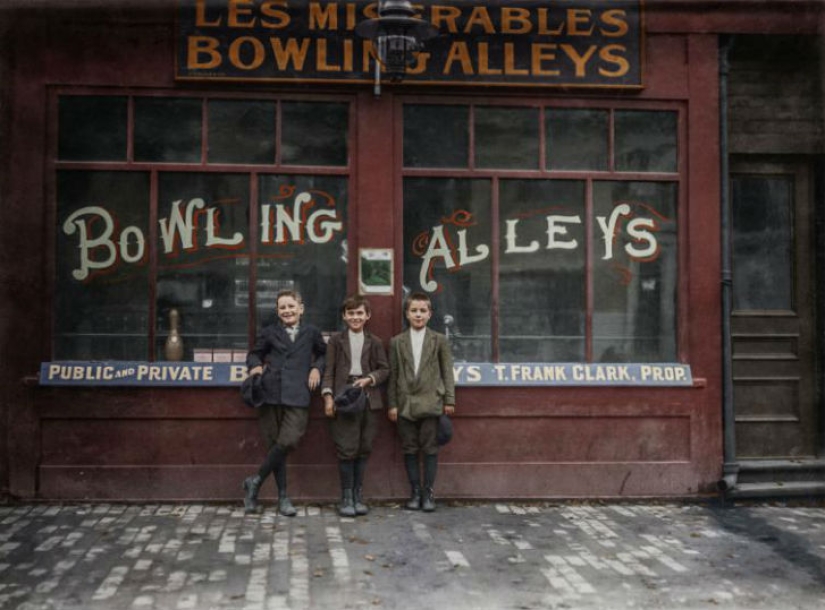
pixel 152 248
pixel 495 240
pixel 588 271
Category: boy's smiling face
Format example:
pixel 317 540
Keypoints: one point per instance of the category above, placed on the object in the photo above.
pixel 355 319
pixel 418 314
pixel 289 310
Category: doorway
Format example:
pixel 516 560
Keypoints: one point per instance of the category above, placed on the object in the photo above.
pixel 773 328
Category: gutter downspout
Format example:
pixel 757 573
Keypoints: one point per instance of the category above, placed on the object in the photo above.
pixel 730 469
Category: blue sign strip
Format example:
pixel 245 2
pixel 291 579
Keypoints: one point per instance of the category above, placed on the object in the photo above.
pixel 186 374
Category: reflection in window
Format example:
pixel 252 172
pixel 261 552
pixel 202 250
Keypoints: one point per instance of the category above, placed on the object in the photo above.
pixel 436 136
pixel 315 133
pixel 303 246
pixel 447 254
pixel 241 131
pixel 646 141
pixel 202 256
pixel 167 130
pixel 542 261
pixel 506 138
pixel 576 139
pixel 92 128
pixel 761 214
pixel 635 272
pixel 102 290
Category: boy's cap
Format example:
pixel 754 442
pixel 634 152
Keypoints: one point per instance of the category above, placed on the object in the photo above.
pixel 252 391
pixel 351 400
pixel 445 430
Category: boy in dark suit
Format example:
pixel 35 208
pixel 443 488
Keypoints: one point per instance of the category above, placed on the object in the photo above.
pixel 355 357
pixel 290 357
pixel 421 388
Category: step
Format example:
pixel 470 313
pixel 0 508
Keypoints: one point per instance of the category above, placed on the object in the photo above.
pixel 782 471
pixel 792 489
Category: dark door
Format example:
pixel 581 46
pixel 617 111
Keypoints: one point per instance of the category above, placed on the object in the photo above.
pixel 773 306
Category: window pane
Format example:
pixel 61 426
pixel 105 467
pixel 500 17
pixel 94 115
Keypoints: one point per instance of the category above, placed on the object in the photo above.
pixel 315 133
pixel 203 261
pixel 436 136
pixel 635 272
pixel 303 246
pixel 506 138
pixel 92 128
pixel 447 254
pixel 576 139
pixel 101 292
pixel 542 271
pixel 167 130
pixel 646 141
pixel 241 132
pixel 762 242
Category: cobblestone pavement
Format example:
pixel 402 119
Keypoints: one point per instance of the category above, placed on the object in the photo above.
pixel 476 556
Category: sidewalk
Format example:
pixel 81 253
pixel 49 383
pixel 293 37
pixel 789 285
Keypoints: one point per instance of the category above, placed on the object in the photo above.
pixel 478 556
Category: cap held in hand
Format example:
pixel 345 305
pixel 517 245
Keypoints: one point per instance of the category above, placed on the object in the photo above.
pixel 351 400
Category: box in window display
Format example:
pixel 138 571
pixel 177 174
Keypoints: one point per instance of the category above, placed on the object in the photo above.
pixel 202 354
pixel 221 355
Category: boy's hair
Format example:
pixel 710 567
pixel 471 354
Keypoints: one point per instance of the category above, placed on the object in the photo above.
pixel 289 293
pixel 418 296
pixel 354 302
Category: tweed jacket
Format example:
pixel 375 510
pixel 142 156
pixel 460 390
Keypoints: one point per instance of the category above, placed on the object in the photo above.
pixel 425 394
pixel 287 363
pixel 373 364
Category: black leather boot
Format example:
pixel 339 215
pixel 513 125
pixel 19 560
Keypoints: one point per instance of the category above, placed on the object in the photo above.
pixel 430 470
pixel 346 470
pixel 347 506
pixel 414 476
pixel 414 503
pixel 427 500
pixel 251 486
pixel 360 468
pixel 284 504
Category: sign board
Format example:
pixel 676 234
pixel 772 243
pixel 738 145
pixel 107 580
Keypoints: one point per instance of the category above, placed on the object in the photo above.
pixel 558 43
pixel 184 374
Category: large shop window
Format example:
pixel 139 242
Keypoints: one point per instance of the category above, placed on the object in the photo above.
pixel 544 234
pixel 183 212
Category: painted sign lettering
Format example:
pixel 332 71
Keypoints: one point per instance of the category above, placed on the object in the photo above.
pixel 500 42
pixel 303 217
pixel 450 244
pixel 183 374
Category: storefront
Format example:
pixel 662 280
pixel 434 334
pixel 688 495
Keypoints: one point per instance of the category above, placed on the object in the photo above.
pixel 553 174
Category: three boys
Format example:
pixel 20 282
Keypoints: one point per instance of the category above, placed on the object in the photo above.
pixel 421 389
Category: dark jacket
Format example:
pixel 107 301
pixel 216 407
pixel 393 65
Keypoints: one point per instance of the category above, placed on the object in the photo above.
pixel 373 364
pixel 287 363
pixel 425 394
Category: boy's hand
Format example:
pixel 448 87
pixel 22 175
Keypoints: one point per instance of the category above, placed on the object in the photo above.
pixel 393 414
pixel 363 382
pixel 257 370
pixel 329 406
pixel 449 409
pixel 314 379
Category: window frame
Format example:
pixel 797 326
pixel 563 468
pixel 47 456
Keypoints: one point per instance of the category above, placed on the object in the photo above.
pixel 679 177
pixel 53 165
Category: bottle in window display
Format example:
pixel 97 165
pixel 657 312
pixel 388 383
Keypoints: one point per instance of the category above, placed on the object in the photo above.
pixel 173 350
